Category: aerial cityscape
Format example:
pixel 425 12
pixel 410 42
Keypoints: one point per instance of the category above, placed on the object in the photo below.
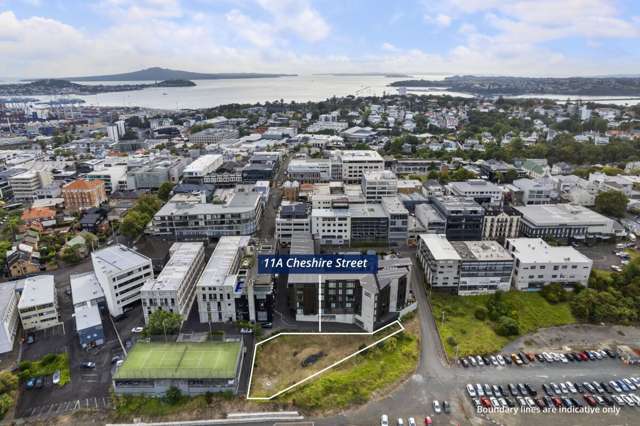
pixel 305 212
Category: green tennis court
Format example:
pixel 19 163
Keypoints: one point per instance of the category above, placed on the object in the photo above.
pixel 209 360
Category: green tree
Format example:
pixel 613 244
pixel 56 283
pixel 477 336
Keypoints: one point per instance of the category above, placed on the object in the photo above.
pixel 163 323
pixel 70 255
pixel 133 224
pixel 165 191
pixel 507 326
pixel 611 203
pixel 554 293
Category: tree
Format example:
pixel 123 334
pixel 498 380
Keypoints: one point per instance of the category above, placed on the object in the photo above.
pixel 611 203
pixel 165 191
pixel 133 224
pixel 70 255
pixel 13 226
pixel 554 293
pixel 507 326
pixel 163 323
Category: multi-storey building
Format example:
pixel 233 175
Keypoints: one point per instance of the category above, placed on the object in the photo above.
pixel 201 167
pixel 535 191
pixel 369 224
pixel 196 220
pixel 310 170
pixel 83 194
pixel 379 183
pixel 25 185
pixel 481 191
pixel 229 288
pixel 538 264
pixel 174 289
pixel 88 299
pixel 464 267
pixel 398 220
pixel 366 300
pixel 463 217
pixel 38 304
pixel 114 178
pixel 121 273
pixel 499 225
pixel 565 221
pixel 155 172
pixel 430 218
pixel 8 316
pixel 214 135
pixel 353 164
pixel 331 226
pixel 292 217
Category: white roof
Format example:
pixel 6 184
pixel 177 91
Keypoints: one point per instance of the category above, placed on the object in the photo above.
pixel 117 258
pixel 87 316
pixel 38 290
pixel 440 247
pixel 202 164
pixel 553 214
pixel 536 250
pixel 221 261
pixel 85 287
pixel 182 260
pixel 6 292
pixel 354 155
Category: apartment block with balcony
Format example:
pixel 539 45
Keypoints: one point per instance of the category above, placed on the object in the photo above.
pixel 38 304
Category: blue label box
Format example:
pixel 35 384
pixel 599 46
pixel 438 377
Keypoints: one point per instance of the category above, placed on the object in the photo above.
pixel 317 264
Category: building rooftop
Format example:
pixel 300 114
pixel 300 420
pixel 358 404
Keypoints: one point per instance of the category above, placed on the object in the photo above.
pixel 302 243
pixel 87 315
pixel 440 247
pixel 7 290
pixel 366 210
pixel 481 250
pixel 37 290
pixel 554 214
pixel 202 163
pixel 241 202
pixel 222 260
pixel 83 185
pixel 85 287
pixel 536 250
pixel 359 155
pixel 183 255
pixel 458 204
pixel 474 185
pixel 393 205
pixel 117 258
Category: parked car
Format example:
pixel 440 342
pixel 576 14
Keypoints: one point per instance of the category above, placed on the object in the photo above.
pixel 31 338
pixel 412 421
pixel 56 377
pixel 30 383
pixel 400 422
pixel 446 407
pixel 436 407
pixel 39 382
pixel 471 391
pixel 115 359
pixel 88 364
pixel 266 324
pixel 428 421
pixel 137 330
pixel 384 420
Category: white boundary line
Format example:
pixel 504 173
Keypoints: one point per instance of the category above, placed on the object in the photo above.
pixel 255 351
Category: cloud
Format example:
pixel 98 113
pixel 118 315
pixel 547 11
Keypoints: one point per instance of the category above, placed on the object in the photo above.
pixel 297 16
pixel 389 47
pixel 440 20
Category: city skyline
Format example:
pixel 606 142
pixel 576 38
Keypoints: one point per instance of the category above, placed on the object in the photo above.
pixel 64 38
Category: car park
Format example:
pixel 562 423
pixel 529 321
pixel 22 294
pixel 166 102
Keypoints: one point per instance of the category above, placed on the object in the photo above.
pixel 464 363
pixel 479 389
pixel 513 389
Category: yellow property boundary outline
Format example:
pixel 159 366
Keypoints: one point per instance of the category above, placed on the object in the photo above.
pixel 255 351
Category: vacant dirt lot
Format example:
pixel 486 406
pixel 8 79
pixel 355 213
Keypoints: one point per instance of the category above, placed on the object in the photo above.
pixel 577 336
pixel 287 359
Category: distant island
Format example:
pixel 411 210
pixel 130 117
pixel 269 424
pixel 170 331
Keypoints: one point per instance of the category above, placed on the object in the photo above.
pixel 54 87
pixel 515 86
pixel 366 74
pixel 165 74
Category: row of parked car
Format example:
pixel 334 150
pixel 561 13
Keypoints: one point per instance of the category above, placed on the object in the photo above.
pixel 438 408
pixel 615 392
pixel 524 358
pixel 38 382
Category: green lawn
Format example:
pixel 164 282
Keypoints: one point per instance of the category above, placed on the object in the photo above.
pixel 181 360
pixel 477 337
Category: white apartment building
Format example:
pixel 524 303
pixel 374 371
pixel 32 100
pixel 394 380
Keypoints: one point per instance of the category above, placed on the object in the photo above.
pixel 203 166
pixel 536 191
pixel 483 192
pixel 465 267
pixel 217 288
pixel 309 170
pixel 292 218
pixel 331 226
pixel 114 178
pixel 174 289
pixel 355 163
pixel 38 304
pixel 25 185
pixel 8 316
pixel 538 264
pixel 214 135
pixel 377 184
pixel 121 273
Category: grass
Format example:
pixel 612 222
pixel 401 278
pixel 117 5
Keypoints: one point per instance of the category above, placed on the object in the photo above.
pixel 364 376
pixel 46 366
pixel 279 361
pixel 181 360
pixel 479 337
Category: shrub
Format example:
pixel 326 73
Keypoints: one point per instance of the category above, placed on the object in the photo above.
pixel 173 396
pixel 452 341
pixel 49 359
pixel 554 293
pixel 507 326
pixel 481 313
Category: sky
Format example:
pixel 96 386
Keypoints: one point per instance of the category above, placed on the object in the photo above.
pixel 57 38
